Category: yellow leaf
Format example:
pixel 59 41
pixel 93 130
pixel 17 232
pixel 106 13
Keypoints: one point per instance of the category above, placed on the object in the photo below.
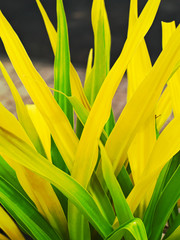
pixel 60 128
pixel 22 113
pixel 89 65
pixel 38 189
pixel 9 227
pixel 163 109
pixel 138 68
pixel 167 145
pixel 86 155
pixel 141 148
pixel 2 237
pixel 41 128
pixel 143 103
pixel 174 82
pixel 49 27
pixel 140 64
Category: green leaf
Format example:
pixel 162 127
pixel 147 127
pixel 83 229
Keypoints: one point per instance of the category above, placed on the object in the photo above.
pixel 175 235
pixel 58 161
pixel 163 179
pixel 7 173
pixel 173 232
pixel 19 151
pixel 149 213
pixel 134 227
pixel 62 63
pixel 102 45
pixel 165 205
pixel 24 213
pixel 125 181
pixel 123 211
pixel 101 199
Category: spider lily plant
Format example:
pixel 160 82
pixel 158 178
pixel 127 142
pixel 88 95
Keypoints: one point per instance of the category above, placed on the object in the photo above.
pixel 98 179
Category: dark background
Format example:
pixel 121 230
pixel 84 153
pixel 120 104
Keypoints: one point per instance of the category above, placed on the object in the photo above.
pixel 25 18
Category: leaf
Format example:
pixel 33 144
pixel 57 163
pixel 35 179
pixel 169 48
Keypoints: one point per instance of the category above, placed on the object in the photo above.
pixel 94 187
pixel 163 109
pixel 163 178
pixel 102 44
pixel 76 86
pixel 25 214
pixel 41 128
pixel 134 227
pixel 8 174
pixel 125 181
pixel 166 147
pixel 19 151
pixel 173 233
pixel 102 41
pixel 165 205
pixel 122 209
pixel 9 226
pixel 38 189
pixel 143 102
pixel 89 65
pixel 142 144
pixel 86 159
pixel 49 27
pixel 140 64
pixel 173 83
pixel 22 113
pixel 2 237
pixel 62 63
pixel 56 120
pixel 102 200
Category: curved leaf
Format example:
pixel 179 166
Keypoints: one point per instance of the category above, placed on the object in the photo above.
pixel 25 214
pixel 134 227
pixel 143 102
pixel 38 189
pixel 123 211
pixel 19 151
pixel 165 205
pixel 167 145
pixel 9 226
pixel 22 113
pixel 56 120
pixel 86 159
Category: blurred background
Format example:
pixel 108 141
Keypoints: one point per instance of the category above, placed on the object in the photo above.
pixel 25 18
